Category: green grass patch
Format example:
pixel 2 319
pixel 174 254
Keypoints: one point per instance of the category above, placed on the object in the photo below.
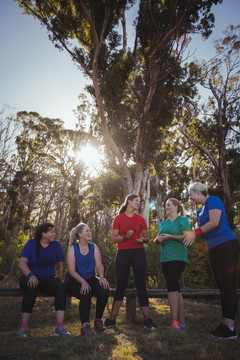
pixel 128 341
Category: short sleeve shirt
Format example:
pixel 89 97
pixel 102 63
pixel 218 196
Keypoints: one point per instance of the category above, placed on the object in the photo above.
pixel 222 233
pixel 173 249
pixel 43 266
pixel 123 223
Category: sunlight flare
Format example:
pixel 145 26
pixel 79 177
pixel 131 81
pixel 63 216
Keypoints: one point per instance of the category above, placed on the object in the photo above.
pixel 91 156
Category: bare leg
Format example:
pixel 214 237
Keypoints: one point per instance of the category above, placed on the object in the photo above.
pixel 60 315
pixel 115 308
pixel 181 309
pixel 173 300
pixel 145 312
pixel 25 318
pixel 228 322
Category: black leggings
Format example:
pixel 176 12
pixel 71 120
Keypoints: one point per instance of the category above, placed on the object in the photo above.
pixel 124 260
pixel 172 270
pixel 51 286
pixel 97 290
pixel 224 260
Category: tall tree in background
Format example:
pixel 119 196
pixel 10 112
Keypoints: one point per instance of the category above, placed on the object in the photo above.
pixel 42 182
pixel 133 89
pixel 216 131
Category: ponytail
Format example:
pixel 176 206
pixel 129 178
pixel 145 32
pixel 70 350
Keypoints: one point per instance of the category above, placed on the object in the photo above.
pixel 124 206
pixel 177 203
pixel 45 227
pixel 74 234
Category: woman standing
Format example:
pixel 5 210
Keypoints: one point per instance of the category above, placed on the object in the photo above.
pixel 223 253
pixel 174 258
pixel 37 264
pixel 82 258
pixel 129 232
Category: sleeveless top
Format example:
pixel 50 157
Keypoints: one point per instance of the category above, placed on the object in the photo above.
pixel 85 264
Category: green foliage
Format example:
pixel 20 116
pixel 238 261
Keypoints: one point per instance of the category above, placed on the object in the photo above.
pixel 10 249
pixel 154 276
pixel 140 91
pixel 198 273
pixel 212 127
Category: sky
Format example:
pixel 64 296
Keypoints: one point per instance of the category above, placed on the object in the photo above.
pixel 35 76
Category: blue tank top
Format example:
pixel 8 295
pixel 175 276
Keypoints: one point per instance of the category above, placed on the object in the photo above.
pixel 85 264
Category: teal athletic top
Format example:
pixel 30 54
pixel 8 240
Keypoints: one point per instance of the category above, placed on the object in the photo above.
pixel 173 249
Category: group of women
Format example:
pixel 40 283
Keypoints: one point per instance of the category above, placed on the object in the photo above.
pixel 129 231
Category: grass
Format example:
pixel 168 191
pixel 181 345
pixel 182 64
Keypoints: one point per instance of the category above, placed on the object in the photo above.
pixel 128 341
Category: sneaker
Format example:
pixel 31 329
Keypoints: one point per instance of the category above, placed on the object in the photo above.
pixel 175 326
pixel 148 324
pixel 223 332
pixel 86 330
pixel 183 326
pixel 98 325
pixel 22 332
pixel 109 323
pixel 61 331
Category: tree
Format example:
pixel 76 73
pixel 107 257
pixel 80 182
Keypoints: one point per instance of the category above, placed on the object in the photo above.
pixel 130 88
pixel 216 132
pixel 42 186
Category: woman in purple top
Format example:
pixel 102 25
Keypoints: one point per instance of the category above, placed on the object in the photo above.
pixel 37 264
pixel 223 250
pixel 83 258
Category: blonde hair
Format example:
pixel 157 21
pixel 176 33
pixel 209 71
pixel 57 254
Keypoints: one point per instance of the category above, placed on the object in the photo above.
pixel 199 187
pixel 177 203
pixel 74 234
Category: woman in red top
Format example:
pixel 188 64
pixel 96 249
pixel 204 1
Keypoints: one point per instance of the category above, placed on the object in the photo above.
pixel 129 232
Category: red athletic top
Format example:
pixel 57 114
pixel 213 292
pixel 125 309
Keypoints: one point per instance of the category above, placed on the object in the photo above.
pixel 123 223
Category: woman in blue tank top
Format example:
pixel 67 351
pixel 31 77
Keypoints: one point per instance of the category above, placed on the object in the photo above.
pixel 223 250
pixel 83 258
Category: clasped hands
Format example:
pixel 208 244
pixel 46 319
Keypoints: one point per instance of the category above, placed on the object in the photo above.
pixel 161 237
pixel 189 238
pixel 140 240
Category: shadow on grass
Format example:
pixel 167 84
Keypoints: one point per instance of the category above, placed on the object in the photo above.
pixel 194 343
pixel 99 346
pixel 128 341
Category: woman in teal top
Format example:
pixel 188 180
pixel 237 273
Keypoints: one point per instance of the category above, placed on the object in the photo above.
pixel 174 258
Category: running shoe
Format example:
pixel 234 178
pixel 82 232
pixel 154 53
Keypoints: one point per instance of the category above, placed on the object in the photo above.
pixel 98 325
pixel 22 332
pixel 183 326
pixel 175 326
pixel 61 331
pixel 110 323
pixel 148 324
pixel 86 330
pixel 223 332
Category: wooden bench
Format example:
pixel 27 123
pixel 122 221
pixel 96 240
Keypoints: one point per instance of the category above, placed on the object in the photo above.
pixel 131 296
